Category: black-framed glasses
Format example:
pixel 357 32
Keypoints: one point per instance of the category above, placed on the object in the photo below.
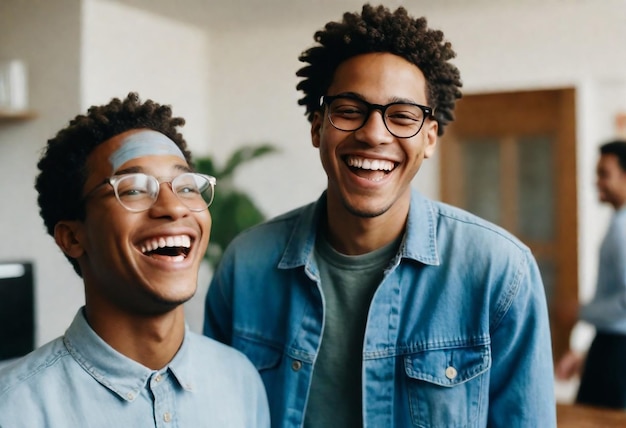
pixel 138 192
pixel 350 113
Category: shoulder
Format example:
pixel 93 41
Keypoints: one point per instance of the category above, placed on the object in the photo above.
pixel 270 238
pixel 33 369
pixel 217 354
pixel 216 365
pixel 281 223
pixel 473 230
pixel 460 240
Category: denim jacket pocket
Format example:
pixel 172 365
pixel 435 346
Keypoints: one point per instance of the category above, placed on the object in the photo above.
pixel 448 387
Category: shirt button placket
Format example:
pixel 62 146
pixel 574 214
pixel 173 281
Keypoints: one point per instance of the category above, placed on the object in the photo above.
pixel 162 402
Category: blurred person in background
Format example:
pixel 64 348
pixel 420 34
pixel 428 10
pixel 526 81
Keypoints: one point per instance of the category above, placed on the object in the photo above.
pixel 603 368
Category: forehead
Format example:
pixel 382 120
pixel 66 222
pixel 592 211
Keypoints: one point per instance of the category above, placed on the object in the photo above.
pixel 111 155
pixel 140 144
pixel 380 77
pixel 608 160
pixel 608 164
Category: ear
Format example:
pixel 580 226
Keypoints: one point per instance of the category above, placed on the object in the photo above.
pixel 430 138
pixel 67 235
pixel 316 128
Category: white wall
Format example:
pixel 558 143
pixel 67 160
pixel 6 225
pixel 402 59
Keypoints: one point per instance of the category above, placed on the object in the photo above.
pixel 236 83
pixel 126 49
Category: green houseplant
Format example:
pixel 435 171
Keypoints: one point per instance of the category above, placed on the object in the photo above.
pixel 233 210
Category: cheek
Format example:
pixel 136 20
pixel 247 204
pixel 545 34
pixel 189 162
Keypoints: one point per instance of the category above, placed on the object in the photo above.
pixel 109 226
pixel 205 221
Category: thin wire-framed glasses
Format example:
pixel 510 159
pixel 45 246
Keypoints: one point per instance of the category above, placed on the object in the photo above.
pixel 138 192
pixel 402 119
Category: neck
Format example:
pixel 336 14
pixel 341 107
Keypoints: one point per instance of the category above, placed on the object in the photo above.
pixel 151 340
pixel 353 235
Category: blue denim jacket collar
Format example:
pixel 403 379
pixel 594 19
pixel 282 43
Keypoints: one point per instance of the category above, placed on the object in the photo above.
pixel 420 243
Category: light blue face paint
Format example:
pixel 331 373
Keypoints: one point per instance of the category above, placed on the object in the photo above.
pixel 144 143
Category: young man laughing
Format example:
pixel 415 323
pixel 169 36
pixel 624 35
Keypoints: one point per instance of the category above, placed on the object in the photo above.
pixel 375 306
pixel 118 193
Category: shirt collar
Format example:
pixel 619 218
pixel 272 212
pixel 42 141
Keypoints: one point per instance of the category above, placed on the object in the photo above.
pixel 420 242
pixel 122 375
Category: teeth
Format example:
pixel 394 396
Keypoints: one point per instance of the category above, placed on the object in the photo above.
pixel 162 242
pixel 371 164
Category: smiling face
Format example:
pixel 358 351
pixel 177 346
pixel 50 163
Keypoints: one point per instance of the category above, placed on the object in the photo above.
pixel 137 262
pixel 369 170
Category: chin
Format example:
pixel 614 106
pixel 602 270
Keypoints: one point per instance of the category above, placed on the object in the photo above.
pixel 162 305
pixel 365 211
pixel 172 296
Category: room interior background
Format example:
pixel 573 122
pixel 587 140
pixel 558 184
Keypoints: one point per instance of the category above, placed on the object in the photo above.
pixel 229 69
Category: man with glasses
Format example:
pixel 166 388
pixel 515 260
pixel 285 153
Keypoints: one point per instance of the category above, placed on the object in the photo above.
pixel 375 306
pixel 118 193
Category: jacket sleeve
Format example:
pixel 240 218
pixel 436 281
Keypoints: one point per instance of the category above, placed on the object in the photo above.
pixel 522 375
pixel 218 305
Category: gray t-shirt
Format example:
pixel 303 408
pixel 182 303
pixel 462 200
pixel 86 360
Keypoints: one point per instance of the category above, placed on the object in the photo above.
pixel 348 284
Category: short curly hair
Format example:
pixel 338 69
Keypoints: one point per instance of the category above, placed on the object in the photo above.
pixel 377 29
pixel 62 166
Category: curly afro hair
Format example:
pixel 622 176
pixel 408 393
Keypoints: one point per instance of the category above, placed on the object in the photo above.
pixel 62 166
pixel 377 29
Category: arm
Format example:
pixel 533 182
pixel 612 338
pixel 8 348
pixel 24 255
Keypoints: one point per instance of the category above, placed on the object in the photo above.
pixel 218 306
pixel 570 365
pixel 522 380
pixel 607 310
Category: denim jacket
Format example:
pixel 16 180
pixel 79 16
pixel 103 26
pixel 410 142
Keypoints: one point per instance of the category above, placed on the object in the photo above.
pixel 457 333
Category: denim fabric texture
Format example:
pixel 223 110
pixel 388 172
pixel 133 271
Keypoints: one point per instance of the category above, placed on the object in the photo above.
pixel 457 333
pixel 80 381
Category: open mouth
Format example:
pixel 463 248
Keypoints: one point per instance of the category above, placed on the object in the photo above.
pixel 174 248
pixel 370 169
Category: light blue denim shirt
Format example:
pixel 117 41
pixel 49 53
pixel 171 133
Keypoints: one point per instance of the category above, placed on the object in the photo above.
pixel 457 333
pixel 80 381
pixel 607 310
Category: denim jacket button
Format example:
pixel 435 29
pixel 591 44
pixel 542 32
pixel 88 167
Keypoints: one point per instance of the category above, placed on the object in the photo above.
pixel 296 365
pixel 451 372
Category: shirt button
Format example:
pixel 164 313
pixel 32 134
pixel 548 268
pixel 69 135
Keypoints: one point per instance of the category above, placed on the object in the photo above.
pixel 451 373
pixel 130 396
pixel 158 378
pixel 167 416
pixel 296 365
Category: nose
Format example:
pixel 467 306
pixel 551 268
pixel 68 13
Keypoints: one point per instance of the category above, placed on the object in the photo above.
pixel 374 131
pixel 168 204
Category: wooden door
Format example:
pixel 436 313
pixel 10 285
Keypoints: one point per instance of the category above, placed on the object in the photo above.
pixel 510 158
